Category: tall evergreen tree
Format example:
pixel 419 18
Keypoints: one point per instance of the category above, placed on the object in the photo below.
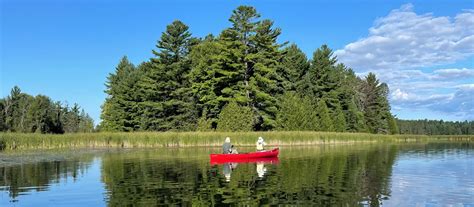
pixel 167 101
pixel 72 118
pixel 294 65
pixel 215 77
pixel 260 56
pixel 120 104
pixel 376 106
pixel 263 79
pixel 320 80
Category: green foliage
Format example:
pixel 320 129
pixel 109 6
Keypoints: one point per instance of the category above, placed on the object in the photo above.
pixel 86 123
pixel 235 118
pixel 204 123
pixel 294 65
pixel 325 121
pixel 20 112
pixel 119 112
pixel 214 81
pixel 320 80
pixel 392 124
pixel 296 113
pixel 245 64
pixel 355 119
pixel 3 126
pixel 166 101
pixel 435 127
pixel 39 115
pixel 339 120
pixel 376 104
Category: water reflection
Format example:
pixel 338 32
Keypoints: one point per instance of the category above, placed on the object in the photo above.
pixel 261 170
pixel 339 176
pixel 20 178
pixel 228 167
pixel 368 175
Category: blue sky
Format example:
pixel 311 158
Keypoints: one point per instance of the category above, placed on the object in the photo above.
pixel 423 50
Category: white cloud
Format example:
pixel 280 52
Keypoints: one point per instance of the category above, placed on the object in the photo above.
pixel 404 39
pixel 453 74
pixel 400 47
pixel 399 95
pixel 466 86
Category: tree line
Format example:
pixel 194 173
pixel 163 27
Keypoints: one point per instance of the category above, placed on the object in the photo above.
pixel 435 127
pixel 21 112
pixel 241 80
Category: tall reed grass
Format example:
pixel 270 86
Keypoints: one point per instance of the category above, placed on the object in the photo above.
pixel 9 141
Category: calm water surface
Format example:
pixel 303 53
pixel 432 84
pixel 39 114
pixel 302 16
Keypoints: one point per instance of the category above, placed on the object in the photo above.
pixel 434 174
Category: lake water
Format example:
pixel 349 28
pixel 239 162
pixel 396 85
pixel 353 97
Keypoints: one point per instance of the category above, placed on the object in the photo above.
pixel 434 174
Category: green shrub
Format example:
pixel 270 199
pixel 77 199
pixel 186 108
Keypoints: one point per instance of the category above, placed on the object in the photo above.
pixel 235 118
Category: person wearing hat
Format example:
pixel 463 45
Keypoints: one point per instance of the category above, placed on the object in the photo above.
pixel 260 144
pixel 227 147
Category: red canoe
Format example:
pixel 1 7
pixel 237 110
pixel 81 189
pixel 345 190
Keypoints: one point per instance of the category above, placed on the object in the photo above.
pixel 244 156
pixel 265 160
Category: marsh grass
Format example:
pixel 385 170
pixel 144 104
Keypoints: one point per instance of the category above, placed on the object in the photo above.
pixel 11 141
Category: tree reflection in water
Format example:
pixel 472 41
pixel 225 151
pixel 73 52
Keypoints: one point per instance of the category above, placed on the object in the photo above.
pixel 309 176
pixel 316 176
pixel 18 178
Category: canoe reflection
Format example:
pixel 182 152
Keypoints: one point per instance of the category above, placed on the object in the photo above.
pixel 228 167
pixel 269 160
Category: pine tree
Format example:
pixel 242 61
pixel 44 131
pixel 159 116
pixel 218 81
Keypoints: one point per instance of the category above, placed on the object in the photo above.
pixel 16 108
pixel 376 105
pixel 320 78
pixel 260 56
pixel 167 101
pixel 215 78
pixel 294 65
pixel 325 121
pixel 263 78
pixel 296 113
pixel 120 105
pixel 339 120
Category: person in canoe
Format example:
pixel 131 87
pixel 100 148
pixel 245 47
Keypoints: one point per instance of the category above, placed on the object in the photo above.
pixel 227 147
pixel 260 144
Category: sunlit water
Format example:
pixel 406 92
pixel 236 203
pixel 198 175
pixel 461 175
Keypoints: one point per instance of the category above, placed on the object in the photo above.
pixel 432 174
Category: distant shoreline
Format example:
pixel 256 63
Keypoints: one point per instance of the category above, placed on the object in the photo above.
pixel 14 141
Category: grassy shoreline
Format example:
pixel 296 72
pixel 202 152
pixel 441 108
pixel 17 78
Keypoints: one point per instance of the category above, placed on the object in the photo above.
pixel 12 141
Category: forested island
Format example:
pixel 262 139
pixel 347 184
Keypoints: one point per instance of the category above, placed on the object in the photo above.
pixel 244 79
